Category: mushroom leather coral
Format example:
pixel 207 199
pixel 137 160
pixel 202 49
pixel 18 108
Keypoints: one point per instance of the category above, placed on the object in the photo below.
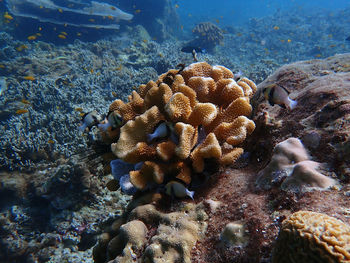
pixel 198 123
pixel 312 237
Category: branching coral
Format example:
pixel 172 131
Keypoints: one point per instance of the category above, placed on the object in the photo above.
pixel 312 237
pixel 172 126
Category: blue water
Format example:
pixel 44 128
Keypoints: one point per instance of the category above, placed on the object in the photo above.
pixel 234 13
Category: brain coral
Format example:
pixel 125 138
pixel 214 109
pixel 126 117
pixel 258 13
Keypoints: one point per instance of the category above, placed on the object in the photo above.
pixel 312 237
pixel 187 116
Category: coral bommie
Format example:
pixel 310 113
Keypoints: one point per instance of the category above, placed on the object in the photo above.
pixel 172 126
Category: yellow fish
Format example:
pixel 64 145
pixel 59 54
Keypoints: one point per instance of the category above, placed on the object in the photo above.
pixel 62 36
pixel 8 16
pixel 31 78
pixel 276 27
pixel 32 37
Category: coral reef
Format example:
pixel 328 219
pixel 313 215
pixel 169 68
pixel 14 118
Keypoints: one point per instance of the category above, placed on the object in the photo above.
pixel 208 33
pixel 187 106
pixel 153 236
pixel 207 36
pixel 312 237
pixel 291 167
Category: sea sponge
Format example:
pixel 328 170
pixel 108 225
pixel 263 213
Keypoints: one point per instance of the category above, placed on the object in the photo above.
pixel 290 166
pixel 309 237
pixel 188 121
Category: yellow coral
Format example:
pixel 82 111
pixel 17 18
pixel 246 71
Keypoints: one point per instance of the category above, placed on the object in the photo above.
pixel 312 237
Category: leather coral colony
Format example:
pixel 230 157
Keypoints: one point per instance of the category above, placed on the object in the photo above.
pixel 177 125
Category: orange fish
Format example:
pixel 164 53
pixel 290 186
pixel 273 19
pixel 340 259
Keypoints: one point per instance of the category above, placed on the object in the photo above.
pixel 8 16
pixel 32 37
pixel 276 27
pixel 21 111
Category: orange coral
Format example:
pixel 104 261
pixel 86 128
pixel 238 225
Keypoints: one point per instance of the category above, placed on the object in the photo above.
pixel 178 108
pixel 209 148
pixel 205 111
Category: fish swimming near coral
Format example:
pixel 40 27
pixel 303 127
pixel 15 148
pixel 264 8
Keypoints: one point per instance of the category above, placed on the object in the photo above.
pixel 178 190
pixel 113 120
pixel 89 120
pixel 79 13
pixel 189 49
pixel 279 95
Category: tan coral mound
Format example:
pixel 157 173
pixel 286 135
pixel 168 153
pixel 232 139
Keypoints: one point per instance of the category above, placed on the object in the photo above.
pixel 174 236
pixel 193 122
pixel 312 237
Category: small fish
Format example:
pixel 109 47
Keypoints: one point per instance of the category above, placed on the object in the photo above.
pixel 79 109
pixel 8 16
pixel 279 95
pixel 78 34
pixel 24 101
pixel 50 141
pixel 137 11
pixel 194 55
pixel 62 36
pixel 113 120
pixel 31 78
pixel 21 111
pixel 237 75
pixel 276 27
pixel 60 10
pixel 64 33
pixel 89 120
pixel 176 6
pixel 189 49
pixel 21 48
pixel 32 37
pixel 161 131
pixel 289 40
pixel 178 190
